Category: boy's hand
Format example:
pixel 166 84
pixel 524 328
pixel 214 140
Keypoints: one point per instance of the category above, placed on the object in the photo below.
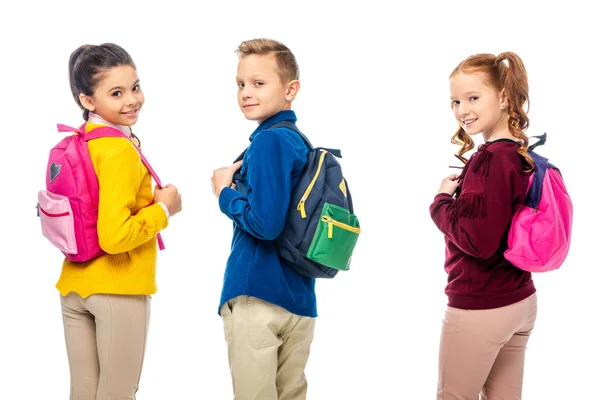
pixel 449 185
pixel 223 177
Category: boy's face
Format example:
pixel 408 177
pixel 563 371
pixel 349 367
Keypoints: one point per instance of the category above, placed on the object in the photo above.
pixel 261 94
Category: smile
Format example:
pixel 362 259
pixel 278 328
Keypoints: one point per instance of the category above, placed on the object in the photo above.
pixel 468 122
pixel 131 113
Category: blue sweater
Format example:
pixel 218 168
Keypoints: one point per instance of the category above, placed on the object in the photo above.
pixel 270 170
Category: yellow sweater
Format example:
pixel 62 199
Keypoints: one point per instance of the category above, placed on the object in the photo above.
pixel 127 226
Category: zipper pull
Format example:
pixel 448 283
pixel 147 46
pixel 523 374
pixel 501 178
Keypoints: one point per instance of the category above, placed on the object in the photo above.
pixel 301 208
pixel 329 226
pixel 38 209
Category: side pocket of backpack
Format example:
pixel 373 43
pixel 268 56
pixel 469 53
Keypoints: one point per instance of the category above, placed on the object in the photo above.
pixel 56 217
pixel 335 237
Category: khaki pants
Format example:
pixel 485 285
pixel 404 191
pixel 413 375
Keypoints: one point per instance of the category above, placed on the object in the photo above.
pixel 106 340
pixel 483 352
pixel 268 349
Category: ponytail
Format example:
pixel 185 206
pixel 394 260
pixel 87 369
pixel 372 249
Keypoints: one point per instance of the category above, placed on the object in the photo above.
pixel 516 88
pixel 77 86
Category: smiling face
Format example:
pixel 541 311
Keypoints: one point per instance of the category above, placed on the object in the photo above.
pixel 118 97
pixel 477 107
pixel 261 93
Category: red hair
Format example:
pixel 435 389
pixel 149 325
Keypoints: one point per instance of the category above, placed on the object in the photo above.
pixel 509 76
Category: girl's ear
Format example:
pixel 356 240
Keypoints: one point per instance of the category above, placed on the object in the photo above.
pixel 87 102
pixel 503 99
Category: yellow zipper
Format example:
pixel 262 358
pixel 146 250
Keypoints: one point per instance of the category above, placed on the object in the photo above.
pixel 331 222
pixel 310 186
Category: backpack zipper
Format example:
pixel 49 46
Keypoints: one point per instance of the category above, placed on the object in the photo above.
pixel 52 215
pixel 332 222
pixel 311 185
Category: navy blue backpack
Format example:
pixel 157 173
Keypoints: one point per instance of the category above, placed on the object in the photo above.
pixel 321 229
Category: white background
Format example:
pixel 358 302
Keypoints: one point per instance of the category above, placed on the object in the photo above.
pixel 375 84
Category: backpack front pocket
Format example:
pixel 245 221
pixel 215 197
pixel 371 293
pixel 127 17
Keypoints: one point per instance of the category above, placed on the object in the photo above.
pixel 335 237
pixel 57 221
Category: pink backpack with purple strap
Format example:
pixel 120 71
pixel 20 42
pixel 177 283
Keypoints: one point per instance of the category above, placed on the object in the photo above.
pixel 68 207
pixel 540 233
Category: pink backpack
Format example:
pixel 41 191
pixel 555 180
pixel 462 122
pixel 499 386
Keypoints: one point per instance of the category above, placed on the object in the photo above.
pixel 540 231
pixel 68 208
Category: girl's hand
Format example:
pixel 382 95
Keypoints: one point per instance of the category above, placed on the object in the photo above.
pixel 223 177
pixel 449 185
pixel 170 197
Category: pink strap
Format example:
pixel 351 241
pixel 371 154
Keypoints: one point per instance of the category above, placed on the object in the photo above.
pixel 161 244
pixel 65 128
pixel 109 131
pixel 148 166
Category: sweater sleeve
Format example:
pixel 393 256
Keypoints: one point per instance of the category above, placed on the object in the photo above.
pixel 120 175
pixel 270 162
pixel 477 220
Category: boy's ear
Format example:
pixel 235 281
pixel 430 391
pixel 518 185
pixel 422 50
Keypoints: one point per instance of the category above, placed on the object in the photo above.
pixel 292 90
pixel 87 102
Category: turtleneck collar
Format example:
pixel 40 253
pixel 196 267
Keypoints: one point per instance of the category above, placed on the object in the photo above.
pixel 96 119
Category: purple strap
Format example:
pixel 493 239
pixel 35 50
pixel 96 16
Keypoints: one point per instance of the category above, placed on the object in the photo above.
pixel 108 131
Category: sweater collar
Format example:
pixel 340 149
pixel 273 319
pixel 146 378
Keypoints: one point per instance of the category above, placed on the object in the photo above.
pixel 98 120
pixel 285 115
pixel 502 140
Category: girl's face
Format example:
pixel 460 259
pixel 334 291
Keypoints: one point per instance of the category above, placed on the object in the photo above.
pixel 118 97
pixel 477 107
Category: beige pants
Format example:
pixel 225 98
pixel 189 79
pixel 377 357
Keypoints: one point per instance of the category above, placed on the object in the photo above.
pixel 106 340
pixel 483 352
pixel 268 349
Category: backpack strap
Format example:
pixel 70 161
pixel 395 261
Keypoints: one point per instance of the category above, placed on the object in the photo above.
pixel 241 156
pixel 293 127
pixel 109 131
pixel 540 142
pixel 66 128
pixel 534 194
pixel 532 199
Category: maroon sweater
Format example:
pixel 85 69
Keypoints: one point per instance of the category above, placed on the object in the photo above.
pixel 475 225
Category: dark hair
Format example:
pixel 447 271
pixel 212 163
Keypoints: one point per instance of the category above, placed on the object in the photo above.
pixel 505 71
pixel 86 65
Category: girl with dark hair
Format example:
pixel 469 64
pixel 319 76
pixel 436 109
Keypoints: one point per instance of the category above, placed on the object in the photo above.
pixel 106 301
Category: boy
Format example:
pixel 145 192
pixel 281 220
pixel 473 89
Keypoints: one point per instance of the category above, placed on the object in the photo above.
pixel 268 309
